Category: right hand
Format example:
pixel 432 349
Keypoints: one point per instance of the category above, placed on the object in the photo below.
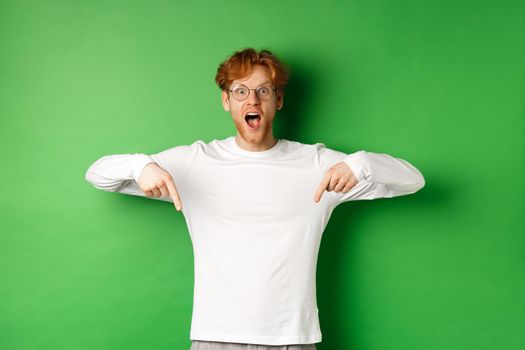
pixel 157 182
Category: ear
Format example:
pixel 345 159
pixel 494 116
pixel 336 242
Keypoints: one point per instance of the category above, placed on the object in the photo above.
pixel 225 100
pixel 280 99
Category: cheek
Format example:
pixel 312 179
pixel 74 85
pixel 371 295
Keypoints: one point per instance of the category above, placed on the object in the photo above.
pixel 270 110
pixel 237 114
pixel 274 104
pixel 235 109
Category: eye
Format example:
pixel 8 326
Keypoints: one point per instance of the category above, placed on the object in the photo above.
pixel 240 90
pixel 264 90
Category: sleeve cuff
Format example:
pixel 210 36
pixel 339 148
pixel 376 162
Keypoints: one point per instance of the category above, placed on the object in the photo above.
pixel 139 164
pixel 357 162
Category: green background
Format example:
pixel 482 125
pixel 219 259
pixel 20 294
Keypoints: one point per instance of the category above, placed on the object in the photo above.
pixel 438 83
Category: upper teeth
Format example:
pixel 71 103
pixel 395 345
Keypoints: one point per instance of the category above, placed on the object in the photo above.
pixel 252 113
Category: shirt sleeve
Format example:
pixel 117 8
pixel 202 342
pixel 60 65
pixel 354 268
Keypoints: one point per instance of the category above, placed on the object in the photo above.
pixel 379 175
pixel 120 172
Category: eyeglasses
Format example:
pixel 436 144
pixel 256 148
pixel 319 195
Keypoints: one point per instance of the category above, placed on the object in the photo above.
pixel 241 92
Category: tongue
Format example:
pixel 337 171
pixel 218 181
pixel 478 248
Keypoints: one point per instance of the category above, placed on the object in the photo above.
pixel 254 122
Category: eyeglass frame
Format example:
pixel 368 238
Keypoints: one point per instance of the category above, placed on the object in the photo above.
pixel 274 89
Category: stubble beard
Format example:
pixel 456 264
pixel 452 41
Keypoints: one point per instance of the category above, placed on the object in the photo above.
pixel 253 136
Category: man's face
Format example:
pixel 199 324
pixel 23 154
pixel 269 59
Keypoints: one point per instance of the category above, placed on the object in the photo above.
pixel 258 130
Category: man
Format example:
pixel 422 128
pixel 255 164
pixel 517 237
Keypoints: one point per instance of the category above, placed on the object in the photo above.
pixel 256 207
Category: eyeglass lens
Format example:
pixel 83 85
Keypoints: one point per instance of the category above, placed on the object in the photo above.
pixel 241 92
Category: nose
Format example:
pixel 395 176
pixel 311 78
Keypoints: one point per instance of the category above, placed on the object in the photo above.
pixel 252 98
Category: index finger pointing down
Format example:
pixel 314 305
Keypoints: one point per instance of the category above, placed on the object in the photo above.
pixel 324 184
pixel 174 194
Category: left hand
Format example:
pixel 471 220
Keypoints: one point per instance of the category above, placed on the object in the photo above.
pixel 339 178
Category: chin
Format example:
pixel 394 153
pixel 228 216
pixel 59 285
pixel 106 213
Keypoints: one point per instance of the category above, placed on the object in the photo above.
pixel 252 137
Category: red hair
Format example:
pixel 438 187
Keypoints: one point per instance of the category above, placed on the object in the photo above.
pixel 240 65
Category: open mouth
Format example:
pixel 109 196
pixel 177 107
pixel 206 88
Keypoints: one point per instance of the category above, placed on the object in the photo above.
pixel 253 120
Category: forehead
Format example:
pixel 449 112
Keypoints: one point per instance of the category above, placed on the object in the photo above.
pixel 259 75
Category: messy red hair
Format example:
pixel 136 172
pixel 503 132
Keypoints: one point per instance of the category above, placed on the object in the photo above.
pixel 240 65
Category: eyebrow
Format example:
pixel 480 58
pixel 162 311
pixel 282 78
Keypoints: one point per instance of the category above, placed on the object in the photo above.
pixel 264 82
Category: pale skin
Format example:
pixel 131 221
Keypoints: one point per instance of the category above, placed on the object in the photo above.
pixel 156 182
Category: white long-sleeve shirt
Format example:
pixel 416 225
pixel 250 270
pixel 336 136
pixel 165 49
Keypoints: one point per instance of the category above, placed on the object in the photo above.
pixel 256 229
